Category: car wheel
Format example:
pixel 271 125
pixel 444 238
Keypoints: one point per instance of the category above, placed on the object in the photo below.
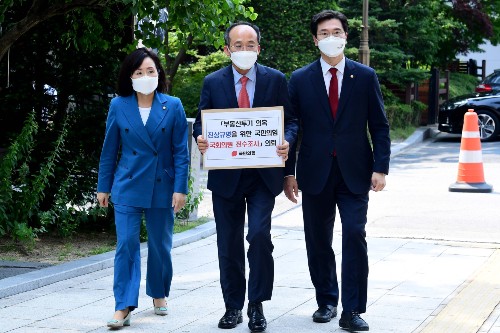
pixel 489 126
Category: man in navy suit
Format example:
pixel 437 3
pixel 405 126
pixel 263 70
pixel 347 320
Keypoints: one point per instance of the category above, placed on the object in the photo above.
pixel 338 101
pixel 245 84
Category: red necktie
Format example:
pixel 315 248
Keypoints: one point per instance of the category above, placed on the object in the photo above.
pixel 243 99
pixel 333 92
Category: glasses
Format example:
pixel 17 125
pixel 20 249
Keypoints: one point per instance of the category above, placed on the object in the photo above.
pixel 239 47
pixel 335 33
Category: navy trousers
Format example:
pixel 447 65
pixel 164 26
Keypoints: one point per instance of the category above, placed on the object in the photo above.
pixel 254 196
pixel 319 217
pixel 127 272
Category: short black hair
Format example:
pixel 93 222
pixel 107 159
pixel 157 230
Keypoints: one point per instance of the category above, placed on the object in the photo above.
pixel 328 15
pixel 131 63
pixel 253 26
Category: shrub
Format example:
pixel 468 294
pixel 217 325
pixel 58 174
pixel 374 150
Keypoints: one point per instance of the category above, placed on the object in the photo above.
pixel 192 201
pixel 23 189
pixel 189 80
pixel 461 84
pixel 404 115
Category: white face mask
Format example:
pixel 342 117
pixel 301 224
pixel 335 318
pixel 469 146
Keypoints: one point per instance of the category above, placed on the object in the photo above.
pixel 145 84
pixel 332 46
pixel 244 59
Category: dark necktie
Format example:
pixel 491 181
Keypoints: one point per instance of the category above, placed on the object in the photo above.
pixel 243 99
pixel 333 92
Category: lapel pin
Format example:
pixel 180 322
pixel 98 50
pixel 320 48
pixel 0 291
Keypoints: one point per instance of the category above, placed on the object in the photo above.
pixel 352 76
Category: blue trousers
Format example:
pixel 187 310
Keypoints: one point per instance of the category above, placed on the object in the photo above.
pixel 127 273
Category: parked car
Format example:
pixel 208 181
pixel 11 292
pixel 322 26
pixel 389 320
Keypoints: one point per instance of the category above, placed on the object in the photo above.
pixel 487 107
pixel 490 83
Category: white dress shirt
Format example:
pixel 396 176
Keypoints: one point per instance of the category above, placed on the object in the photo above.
pixel 327 76
pixel 252 77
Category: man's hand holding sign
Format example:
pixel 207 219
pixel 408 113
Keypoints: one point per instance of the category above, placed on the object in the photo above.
pixel 243 138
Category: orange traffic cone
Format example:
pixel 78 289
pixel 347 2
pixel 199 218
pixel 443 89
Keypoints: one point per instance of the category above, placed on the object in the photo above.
pixel 470 162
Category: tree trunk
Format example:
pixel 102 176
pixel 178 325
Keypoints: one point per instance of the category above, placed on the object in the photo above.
pixel 39 13
pixel 173 67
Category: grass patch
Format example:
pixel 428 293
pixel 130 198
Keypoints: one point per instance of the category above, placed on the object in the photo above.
pixel 8 246
pixel 8 259
pixel 52 249
pixel 180 226
pixel 101 249
pixel 66 250
pixel 401 134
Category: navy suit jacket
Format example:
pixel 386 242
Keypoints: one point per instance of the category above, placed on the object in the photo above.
pixel 154 159
pixel 218 92
pixel 360 110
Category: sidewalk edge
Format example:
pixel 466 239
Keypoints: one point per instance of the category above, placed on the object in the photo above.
pixel 45 276
pixel 420 134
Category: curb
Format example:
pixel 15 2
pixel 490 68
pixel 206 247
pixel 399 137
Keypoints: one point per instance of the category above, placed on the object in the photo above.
pixel 45 276
pixel 418 136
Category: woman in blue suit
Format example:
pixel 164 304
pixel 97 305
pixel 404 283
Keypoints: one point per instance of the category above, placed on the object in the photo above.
pixel 144 166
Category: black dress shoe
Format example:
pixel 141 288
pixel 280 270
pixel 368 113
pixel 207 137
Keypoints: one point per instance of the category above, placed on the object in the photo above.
pixel 351 321
pixel 231 318
pixel 325 313
pixel 257 322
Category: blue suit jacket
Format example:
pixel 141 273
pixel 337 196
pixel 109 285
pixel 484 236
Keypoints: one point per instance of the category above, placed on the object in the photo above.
pixel 218 92
pixel 154 159
pixel 361 107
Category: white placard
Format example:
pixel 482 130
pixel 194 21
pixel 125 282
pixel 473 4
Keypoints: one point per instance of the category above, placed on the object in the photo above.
pixel 242 138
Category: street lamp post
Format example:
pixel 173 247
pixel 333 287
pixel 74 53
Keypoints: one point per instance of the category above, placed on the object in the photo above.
pixel 364 50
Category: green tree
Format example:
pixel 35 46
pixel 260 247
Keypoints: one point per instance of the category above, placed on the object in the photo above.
pixel 188 22
pixel 59 83
pixel 471 23
pixel 423 33
pixel 287 43
pixel 66 74
pixel 492 8
pixel 190 79
pixel 37 12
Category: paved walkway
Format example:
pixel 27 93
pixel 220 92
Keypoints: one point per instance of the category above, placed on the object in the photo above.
pixel 415 285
